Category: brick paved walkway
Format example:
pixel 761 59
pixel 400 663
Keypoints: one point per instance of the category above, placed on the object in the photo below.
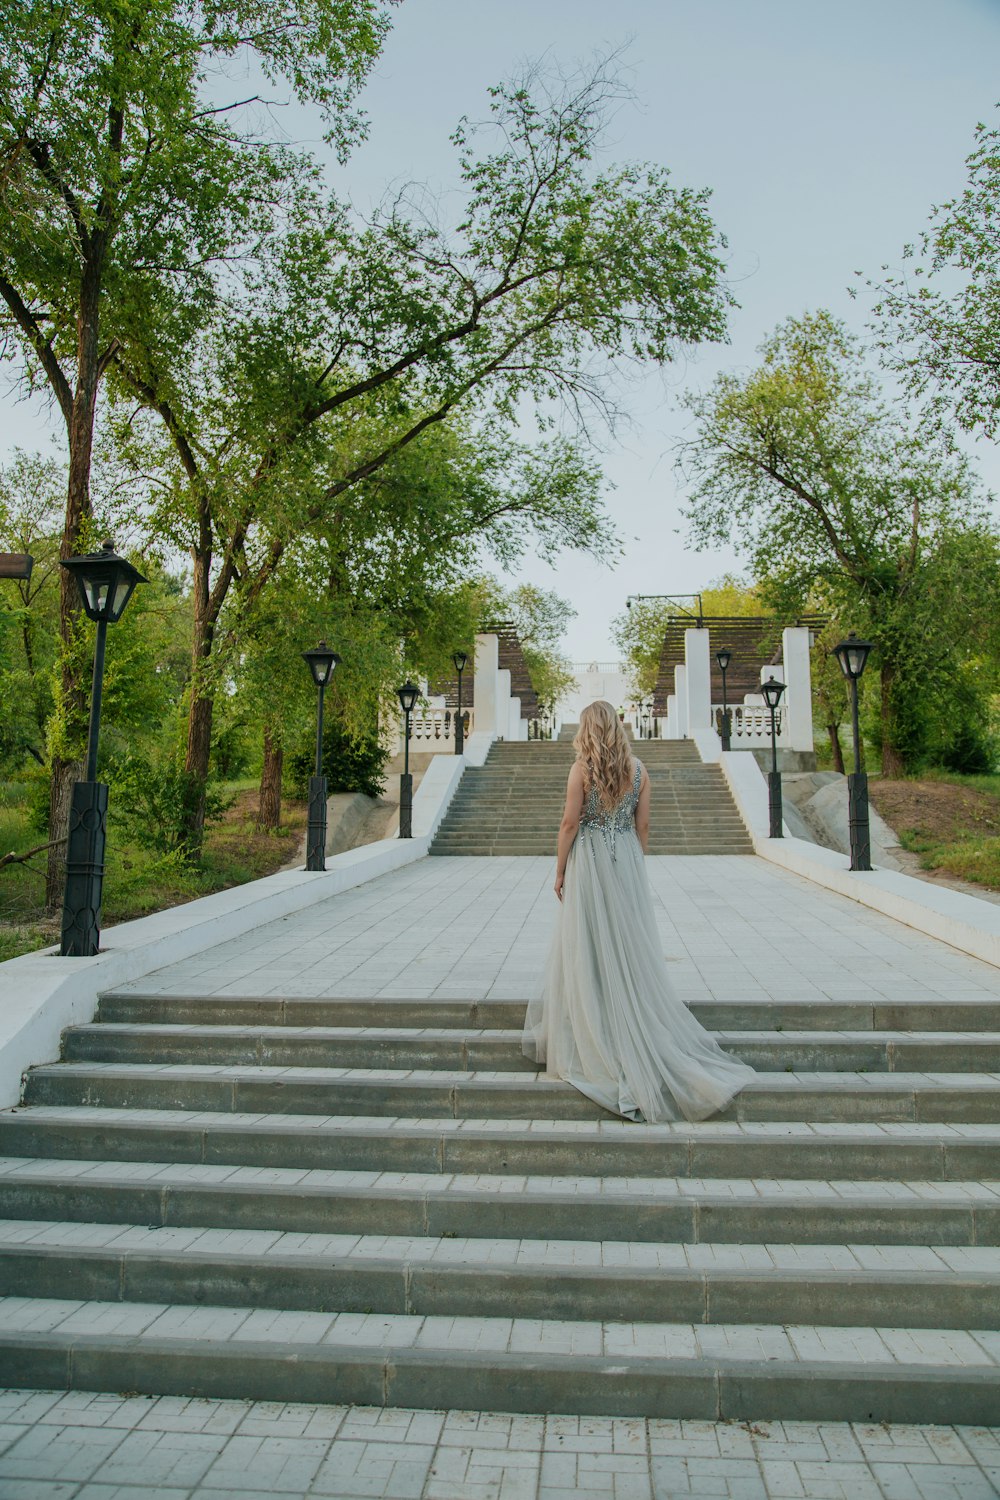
pixel 76 1446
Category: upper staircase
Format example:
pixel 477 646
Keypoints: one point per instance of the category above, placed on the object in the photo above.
pixel 513 804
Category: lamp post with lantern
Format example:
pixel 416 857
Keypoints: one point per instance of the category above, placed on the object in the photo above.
pixel 105 582
pixel 408 695
pixel 322 663
pixel 724 657
pixel 459 659
pixel 852 654
pixel 772 691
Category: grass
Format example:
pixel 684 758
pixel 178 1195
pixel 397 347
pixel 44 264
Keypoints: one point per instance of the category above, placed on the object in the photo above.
pixel 138 881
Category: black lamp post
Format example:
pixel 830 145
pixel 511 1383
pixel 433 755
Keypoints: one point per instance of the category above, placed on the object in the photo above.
pixel 772 691
pixel 852 655
pixel 724 658
pixel 460 659
pixel 322 662
pixel 105 581
pixel 408 695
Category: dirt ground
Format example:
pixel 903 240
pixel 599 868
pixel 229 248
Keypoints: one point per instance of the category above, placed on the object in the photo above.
pixel 949 833
pixel 937 811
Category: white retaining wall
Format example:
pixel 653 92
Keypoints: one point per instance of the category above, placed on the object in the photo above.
pixel 42 993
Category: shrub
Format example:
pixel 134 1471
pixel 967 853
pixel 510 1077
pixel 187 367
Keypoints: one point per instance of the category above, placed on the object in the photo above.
pixel 349 765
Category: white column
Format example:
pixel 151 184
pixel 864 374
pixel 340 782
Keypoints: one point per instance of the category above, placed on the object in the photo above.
pixel 698 679
pixel 514 721
pixel 485 688
pixel 798 690
pixel 503 704
pixel 680 691
pixel 671 729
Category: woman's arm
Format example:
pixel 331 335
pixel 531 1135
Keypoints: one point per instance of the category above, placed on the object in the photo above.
pixel 642 812
pixel 570 825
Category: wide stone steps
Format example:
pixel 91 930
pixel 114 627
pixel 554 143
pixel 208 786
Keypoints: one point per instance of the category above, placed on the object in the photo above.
pixel 427 1276
pixel 498 1050
pixel 444 1093
pixel 439 1012
pixel 707 1372
pixel 677 1212
pixel 365 1200
pixel 740 1153
pixel 511 806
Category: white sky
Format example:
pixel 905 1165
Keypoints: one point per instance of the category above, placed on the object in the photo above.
pixel 826 133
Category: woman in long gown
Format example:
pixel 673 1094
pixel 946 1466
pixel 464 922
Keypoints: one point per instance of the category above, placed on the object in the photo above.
pixel 608 1020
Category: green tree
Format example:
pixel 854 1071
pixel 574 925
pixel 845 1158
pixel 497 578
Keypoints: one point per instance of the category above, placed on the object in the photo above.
pixel 128 186
pixel 356 341
pixel 32 490
pixel 936 323
pixel 824 486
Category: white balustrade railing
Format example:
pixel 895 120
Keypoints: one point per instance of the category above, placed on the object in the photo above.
pixel 750 725
pixel 433 729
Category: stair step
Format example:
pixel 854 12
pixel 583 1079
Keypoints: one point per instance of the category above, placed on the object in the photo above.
pixel 973 1097
pixel 676 1370
pixel 779 1214
pixel 138 1006
pixel 731 1150
pixel 580 1281
pixel 423 1047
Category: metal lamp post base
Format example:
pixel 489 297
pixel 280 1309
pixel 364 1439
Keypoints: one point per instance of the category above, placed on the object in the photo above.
pixel 857 812
pixel 459 734
pixel 774 804
pixel 316 827
pixel 88 823
pixel 406 805
pixel 727 730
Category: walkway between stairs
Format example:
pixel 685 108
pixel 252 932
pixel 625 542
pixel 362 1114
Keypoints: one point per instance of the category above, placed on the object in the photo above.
pixel 479 928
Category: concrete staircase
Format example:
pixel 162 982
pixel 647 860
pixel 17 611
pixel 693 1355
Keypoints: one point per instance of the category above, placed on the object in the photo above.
pixel 380 1202
pixel 512 804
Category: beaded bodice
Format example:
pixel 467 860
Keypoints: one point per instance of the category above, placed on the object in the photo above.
pixel 619 819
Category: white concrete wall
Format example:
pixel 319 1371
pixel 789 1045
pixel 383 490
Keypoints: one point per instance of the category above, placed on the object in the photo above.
pixel 44 993
pixel 798 691
pixel 697 679
pixel 680 695
pixel 487 658
pixel 964 922
pixel 595 680
pixel 671 732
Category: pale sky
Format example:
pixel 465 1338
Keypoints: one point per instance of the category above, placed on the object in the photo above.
pixel 826 134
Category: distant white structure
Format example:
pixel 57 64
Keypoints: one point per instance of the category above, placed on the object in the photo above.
pixel 595 679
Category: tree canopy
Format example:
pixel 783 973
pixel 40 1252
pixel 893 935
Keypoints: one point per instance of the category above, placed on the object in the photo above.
pixel 829 489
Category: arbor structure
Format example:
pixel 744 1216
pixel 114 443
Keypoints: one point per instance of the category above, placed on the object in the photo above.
pixel 829 490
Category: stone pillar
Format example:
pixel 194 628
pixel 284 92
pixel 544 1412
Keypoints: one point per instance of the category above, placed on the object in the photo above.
pixel 503 704
pixel 798 689
pixel 680 690
pixel 485 689
pixel 671 730
pixel 698 680
pixel 514 721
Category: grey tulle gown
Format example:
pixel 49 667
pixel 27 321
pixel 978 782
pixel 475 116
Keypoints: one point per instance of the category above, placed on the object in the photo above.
pixel 608 1021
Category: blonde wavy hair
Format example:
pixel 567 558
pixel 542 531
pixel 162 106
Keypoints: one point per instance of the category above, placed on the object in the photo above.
pixel 603 750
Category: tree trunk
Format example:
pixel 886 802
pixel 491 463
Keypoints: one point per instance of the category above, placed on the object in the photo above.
pixel 833 730
pixel 66 768
pixel 269 807
pixel 202 703
pixel 892 760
